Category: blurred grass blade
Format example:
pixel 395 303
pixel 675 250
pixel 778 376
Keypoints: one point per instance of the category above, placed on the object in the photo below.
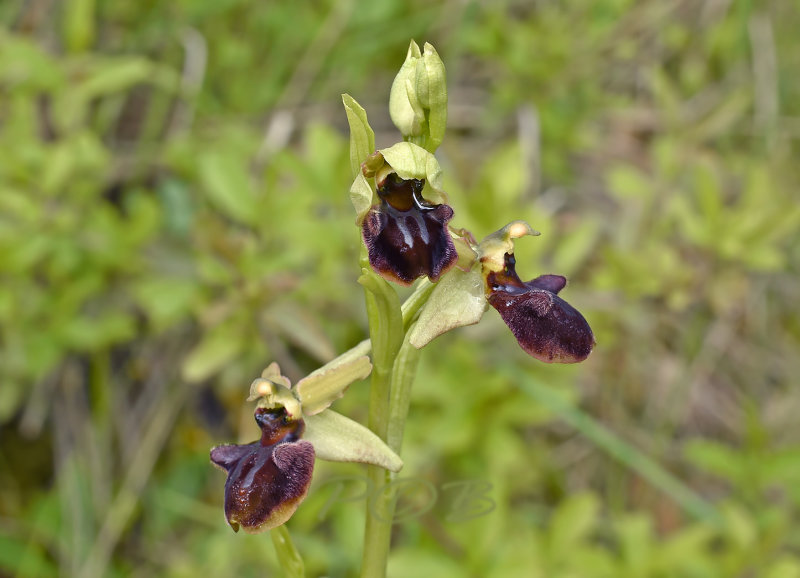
pixel 617 448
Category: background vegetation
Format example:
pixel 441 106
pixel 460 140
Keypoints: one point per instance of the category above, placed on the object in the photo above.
pixel 174 216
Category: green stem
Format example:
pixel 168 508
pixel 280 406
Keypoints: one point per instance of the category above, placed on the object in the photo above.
pixel 395 364
pixel 288 556
pixel 405 370
pixel 415 301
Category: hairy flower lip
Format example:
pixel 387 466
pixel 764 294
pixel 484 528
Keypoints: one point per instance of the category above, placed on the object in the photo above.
pixel 545 326
pixel 267 479
pixel 406 236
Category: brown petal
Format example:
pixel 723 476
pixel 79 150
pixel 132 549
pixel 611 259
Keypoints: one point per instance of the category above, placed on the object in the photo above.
pixel 552 283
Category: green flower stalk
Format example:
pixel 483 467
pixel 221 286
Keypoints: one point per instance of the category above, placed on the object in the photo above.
pixel 404 217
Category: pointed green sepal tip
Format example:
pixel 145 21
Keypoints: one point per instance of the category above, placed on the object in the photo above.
pixel 362 137
pixel 339 439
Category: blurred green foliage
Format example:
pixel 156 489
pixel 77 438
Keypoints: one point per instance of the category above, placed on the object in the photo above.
pixel 174 216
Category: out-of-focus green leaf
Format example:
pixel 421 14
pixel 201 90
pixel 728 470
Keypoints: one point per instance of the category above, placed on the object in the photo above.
pixel 571 524
pixel 79 24
pixel 218 347
pixel 228 186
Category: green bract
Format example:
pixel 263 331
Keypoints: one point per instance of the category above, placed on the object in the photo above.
pixel 457 300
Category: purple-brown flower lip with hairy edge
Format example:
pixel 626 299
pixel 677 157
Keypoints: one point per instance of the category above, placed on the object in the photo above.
pixel 406 236
pixel 546 326
pixel 269 478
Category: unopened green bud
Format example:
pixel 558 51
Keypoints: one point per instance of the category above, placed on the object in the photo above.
pixel 418 99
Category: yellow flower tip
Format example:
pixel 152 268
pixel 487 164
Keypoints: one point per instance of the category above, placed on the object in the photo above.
pixel 264 388
pixel 519 229
pixel 261 388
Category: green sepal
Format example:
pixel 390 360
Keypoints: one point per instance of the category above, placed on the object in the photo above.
pixel 362 137
pixel 361 197
pixel 320 388
pixel 337 438
pixel 457 300
pixel 411 161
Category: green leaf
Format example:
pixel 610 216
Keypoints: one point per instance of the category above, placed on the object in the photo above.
pixel 24 558
pixel 228 186
pixel 217 348
pixel 362 137
pixel 572 523
pixel 457 300
pixel 166 300
pixel 340 439
pixel 717 459
pixel 79 25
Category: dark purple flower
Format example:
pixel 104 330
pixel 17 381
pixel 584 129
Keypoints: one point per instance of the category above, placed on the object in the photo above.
pixel 406 236
pixel 546 326
pixel 269 478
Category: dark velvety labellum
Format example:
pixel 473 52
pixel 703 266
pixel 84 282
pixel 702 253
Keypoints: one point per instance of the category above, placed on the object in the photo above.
pixel 546 326
pixel 267 479
pixel 407 237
